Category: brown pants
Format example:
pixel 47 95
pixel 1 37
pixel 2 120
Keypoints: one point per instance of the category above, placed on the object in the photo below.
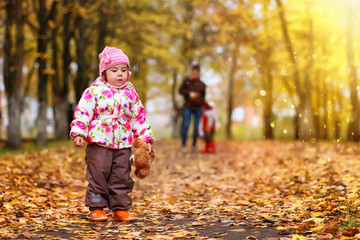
pixel 108 174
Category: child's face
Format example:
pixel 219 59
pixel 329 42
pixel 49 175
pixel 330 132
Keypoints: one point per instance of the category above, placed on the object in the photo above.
pixel 117 75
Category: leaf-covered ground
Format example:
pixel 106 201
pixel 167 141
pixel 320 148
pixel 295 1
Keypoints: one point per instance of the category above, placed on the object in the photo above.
pixel 247 190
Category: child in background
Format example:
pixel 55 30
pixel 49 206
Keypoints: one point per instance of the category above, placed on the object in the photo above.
pixel 109 116
pixel 208 126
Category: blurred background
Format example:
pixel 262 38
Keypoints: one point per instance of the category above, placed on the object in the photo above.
pixel 276 69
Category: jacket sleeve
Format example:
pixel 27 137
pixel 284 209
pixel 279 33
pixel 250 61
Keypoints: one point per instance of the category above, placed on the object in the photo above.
pixel 82 115
pixel 203 93
pixel 140 124
pixel 184 89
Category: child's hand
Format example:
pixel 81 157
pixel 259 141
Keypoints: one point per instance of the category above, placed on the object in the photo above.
pixel 78 141
pixel 149 146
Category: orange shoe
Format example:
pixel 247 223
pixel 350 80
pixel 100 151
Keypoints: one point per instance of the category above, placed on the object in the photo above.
pixel 97 215
pixel 123 215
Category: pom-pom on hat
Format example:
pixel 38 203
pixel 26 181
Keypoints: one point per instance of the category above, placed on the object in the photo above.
pixel 111 56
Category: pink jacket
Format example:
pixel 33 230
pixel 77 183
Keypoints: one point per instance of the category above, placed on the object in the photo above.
pixel 111 117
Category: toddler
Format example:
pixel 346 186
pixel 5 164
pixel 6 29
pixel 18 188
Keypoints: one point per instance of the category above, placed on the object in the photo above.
pixel 208 124
pixel 108 117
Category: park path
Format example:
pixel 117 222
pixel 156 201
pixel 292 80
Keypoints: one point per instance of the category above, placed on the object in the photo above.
pixel 247 190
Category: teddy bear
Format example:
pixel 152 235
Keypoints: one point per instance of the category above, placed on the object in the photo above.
pixel 142 158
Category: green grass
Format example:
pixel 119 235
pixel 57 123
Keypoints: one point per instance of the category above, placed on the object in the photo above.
pixel 30 146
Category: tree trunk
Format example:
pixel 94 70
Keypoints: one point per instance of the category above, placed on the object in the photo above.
pixel 42 98
pixel 81 81
pixel 317 117
pixel 293 61
pixel 8 71
pixel 304 121
pixel 354 124
pixel 61 119
pixel 60 86
pixel 55 77
pixel 42 74
pixel 14 133
pixel 176 118
pixel 61 110
pixel 8 57
pixel 27 85
pixel 307 130
pixel 326 110
pixel 13 80
pixel 321 116
pixel 102 30
pixel 337 106
pixel 268 113
pixel 67 35
pixel 268 78
pixel 297 124
pixel 230 99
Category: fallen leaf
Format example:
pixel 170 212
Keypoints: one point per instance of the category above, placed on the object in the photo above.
pixel 298 237
pixel 350 232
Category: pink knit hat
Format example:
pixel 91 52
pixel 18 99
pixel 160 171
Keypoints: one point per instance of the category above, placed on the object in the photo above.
pixel 111 56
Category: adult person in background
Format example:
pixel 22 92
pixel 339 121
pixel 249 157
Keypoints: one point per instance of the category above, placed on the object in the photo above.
pixel 193 90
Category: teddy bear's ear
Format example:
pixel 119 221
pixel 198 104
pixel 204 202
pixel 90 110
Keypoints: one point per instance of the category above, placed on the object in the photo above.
pixel 139 143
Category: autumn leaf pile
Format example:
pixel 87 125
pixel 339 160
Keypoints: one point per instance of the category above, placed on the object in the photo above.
pixel 301 190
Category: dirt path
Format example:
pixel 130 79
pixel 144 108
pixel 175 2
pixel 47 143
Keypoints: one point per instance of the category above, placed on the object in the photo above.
pixel 247 190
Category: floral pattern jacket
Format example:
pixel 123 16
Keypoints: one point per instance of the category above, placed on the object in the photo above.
pixel 111 117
